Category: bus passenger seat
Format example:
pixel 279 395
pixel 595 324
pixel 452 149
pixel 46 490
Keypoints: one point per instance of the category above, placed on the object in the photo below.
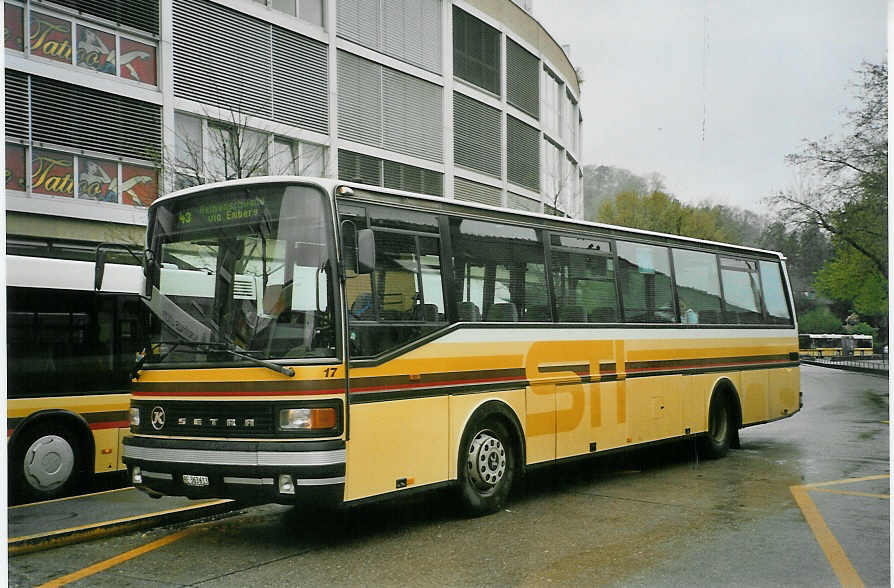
pixel 572 314
pixel 429 313
pixel 468 311
pixel 538 313
pixel 502 312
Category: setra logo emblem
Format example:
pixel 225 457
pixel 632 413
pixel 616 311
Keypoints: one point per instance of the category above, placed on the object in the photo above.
pixel 158 418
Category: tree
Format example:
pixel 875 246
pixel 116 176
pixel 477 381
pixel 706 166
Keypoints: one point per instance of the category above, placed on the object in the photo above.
pixel 660 212
pixel 604 182
pixel 844 187
pixel 819 320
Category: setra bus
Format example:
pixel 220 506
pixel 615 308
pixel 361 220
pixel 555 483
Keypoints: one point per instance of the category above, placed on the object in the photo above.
pixel 322 340
pixel 70 352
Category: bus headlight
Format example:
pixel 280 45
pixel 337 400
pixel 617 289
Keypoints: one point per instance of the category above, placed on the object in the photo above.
pixel 134 416
pixel 307 419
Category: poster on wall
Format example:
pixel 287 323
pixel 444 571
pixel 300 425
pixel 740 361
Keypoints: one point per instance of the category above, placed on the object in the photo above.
pixel 52 173
pixel 50 37
pixel 13 27
pixel 96 50
pixel 137 61
pixel 15 167
pixel 97 180
pixel 139 185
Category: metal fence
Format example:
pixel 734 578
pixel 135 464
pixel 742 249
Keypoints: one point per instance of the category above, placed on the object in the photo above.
pixel 877 363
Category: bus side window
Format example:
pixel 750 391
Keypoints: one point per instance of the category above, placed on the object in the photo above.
pixel 741 291
pixel 499 272
pixel 583 275
pixel 698 287
pixel 646 290
pixel 774 293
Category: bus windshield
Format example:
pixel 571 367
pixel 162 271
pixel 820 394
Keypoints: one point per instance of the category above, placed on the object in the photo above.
pixel 246 270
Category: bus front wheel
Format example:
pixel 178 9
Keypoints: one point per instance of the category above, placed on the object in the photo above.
pixel 487 466
pixel 45 463
pixel 721 428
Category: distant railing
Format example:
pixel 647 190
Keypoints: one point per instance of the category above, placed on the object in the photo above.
pixel 876 363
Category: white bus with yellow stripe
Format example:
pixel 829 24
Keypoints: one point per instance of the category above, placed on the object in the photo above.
pixel 397 342
pixel 70 351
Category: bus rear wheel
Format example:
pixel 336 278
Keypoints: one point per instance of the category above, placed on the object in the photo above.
pixel 716 442
pixel 487 466
pixel 45 464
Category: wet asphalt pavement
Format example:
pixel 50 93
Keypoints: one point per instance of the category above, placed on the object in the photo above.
pixel 658 517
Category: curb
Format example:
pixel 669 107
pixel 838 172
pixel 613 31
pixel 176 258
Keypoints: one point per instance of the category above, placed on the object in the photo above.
pixel 42 541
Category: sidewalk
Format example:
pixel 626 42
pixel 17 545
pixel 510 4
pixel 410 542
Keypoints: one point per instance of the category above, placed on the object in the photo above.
pixel 42 525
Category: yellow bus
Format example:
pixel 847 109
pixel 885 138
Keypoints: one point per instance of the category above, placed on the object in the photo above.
pixel 832 345
pixel 334 341
pixel 70 352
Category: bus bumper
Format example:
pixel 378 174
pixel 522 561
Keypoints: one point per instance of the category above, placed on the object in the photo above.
pixel 286 472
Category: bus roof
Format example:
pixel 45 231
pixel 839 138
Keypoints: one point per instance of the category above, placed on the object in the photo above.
pixel 329 185
pixel 68 274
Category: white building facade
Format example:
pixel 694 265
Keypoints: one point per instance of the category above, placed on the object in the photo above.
pixel 111 103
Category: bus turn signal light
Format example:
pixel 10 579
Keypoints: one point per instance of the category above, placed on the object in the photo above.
pixel 307 419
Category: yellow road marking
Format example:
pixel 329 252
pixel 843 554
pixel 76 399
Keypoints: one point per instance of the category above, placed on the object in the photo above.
pixel 851 493
pixel 70 497
pixel 841 565
pixel 118 521
pixel 845 481
pixel 114 561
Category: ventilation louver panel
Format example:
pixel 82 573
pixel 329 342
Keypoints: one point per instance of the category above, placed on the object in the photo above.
pixel 522 154
pixel 522 79
pixel 520 202
pixel 359 100
pixel 413 122
pixel 300 81
pixel 402 176
pixel 358 21
pixel 356 167
pixel 464 189
pixel 79 117
pixel 16 88
pixel 411 32
pixel 477 136
pixel 222 58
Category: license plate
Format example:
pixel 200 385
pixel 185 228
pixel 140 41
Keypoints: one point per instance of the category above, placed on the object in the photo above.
pixel 195 480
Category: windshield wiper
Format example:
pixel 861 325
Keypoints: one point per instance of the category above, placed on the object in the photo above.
pixel 232 350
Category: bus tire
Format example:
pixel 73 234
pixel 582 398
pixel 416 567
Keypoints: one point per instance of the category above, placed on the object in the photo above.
pixel 46 463
pixel 721 428
pixel 487 466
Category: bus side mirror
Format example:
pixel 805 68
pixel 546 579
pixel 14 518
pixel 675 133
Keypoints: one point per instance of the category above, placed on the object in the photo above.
pixel 366 251
pixel 100 269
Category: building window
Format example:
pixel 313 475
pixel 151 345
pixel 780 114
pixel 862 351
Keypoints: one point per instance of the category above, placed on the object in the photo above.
pixel 14 27
pixel 70 41
pixel 553 96
pixel 297 158
pixel 307 10
pixel 478 136
pixel 476 51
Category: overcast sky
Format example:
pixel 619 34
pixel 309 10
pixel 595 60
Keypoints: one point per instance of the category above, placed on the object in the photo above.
pixel 712 94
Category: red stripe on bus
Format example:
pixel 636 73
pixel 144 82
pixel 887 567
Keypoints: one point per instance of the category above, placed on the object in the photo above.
pixel 110 425
pixel 702 366
pixel 435 384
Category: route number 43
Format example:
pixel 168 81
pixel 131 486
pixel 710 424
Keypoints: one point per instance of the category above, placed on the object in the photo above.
pixel 329 372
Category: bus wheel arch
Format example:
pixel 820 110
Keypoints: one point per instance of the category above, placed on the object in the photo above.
pixel 492 436
pixel 60 443
pixel 724 420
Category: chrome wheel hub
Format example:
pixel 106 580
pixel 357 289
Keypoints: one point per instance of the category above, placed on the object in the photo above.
pixel 486 461
pixel 48 463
